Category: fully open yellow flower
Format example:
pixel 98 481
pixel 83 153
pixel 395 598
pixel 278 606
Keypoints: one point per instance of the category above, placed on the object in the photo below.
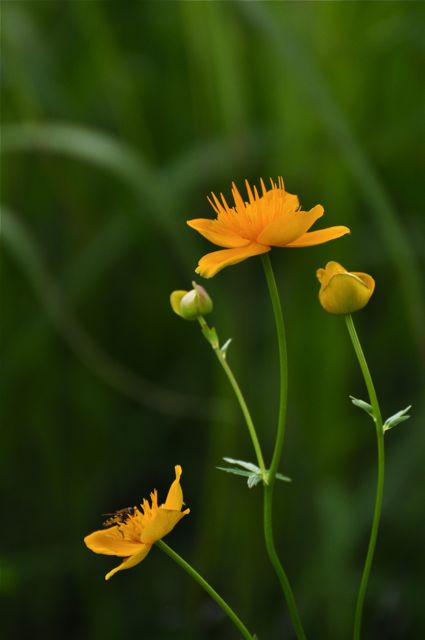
pixel 341 291
pixel 133 531
pixel 272 219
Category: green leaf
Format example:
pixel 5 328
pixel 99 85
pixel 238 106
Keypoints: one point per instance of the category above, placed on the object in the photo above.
pixel 396 419
pixel 249 471
pixel 236 472
pixel 211 335
pixel 253 480
pixel 225 346
pixel 279 476
pixel 241 463
pixel 363 405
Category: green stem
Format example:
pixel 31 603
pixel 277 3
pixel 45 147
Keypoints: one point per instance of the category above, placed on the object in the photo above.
pixel 274 559
pixel 239 395
pixel 207 587
pixel 277 452
pixel 283 364
pixel 380 476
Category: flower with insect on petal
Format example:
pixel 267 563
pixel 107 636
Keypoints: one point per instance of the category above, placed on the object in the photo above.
pixel 131 532
pixel 272 219
pixel 343 292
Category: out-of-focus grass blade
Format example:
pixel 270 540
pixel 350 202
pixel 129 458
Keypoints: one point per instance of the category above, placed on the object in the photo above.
pixel 113 241
pixel 80 142
pixel 108 153
pixel 82 344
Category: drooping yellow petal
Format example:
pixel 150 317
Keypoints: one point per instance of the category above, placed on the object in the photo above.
pixel 218 233
pixel 175 494
pixel 288 227
pixel 131 561
pixel 111 542
pixel 212 263
pixel 163 521
pixel 319 237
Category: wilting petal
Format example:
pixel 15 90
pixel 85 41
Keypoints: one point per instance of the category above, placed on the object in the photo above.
pixel 162 523
pixel 110 542
pixel 288 227
pixel 319 237
pixel 131 561
pixel 212 263
pixel 175 494
pixel 218 233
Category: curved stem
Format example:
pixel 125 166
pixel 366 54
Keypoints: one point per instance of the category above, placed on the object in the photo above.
pixel 380 476
pixel 240 397
pixel 207 587
pixel 274 559
pixel 283 364
pixel 277 452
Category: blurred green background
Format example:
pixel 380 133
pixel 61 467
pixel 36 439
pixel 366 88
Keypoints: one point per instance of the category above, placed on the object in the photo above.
pixel 119 118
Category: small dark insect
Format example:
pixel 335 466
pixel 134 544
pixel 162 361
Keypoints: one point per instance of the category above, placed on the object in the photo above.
pixel 119 517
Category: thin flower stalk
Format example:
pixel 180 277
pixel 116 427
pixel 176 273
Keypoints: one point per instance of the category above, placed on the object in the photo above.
pixel 221 357
pixel 379 480
pixel 208 588
pixel 277 452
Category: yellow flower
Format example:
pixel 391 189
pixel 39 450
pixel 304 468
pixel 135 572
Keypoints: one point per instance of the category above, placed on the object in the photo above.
pixel 341 291
pixel 132 532
pixel 272 219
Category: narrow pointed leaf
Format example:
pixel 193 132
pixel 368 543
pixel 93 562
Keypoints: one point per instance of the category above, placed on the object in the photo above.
pixel 362 405
pixel 241 463
pixel 236 472
pixel 279 476
pixel 225 346
pixel 211 335
pixel 397 418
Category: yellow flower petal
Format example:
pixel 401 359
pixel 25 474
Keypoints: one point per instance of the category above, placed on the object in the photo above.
pixel 131 561
pixel 212 263
pixel 175 494
pixel 288 227
pixel 319 237
pixel 110 542
pixel 331 269
pixel 218 233
pixel 162 523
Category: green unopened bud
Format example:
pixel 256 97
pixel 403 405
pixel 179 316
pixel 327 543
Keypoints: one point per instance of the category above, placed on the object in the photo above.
pixel 191 304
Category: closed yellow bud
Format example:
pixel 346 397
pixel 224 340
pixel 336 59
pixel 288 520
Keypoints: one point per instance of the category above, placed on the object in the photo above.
pixel 343 292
